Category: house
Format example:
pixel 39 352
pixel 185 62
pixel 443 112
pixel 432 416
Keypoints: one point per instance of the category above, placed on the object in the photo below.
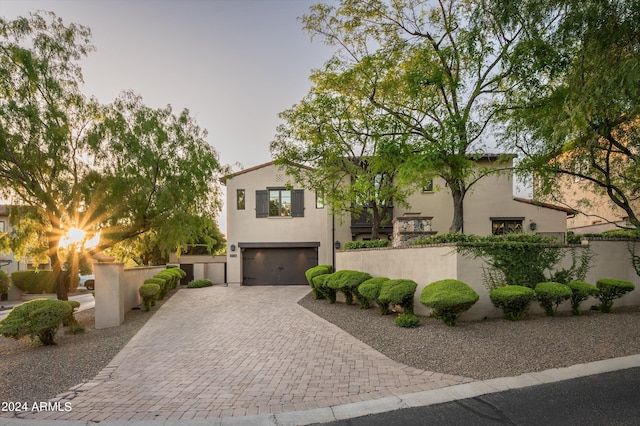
pixel 276 231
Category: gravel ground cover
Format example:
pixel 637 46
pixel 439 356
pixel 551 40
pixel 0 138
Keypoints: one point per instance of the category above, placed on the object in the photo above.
pixel 30 372
pixel 490 348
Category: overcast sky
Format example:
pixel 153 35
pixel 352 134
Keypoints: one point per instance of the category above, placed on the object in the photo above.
pixel 235 64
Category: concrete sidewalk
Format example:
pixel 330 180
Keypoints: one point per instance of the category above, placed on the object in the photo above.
pixel 251 355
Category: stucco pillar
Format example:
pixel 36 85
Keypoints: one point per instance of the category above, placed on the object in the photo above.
pixel 198 271
pixel 109 294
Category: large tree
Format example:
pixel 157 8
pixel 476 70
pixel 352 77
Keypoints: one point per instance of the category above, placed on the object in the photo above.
pixel 439 67
pixel 578 116
pixel 354 154
pixel 120 170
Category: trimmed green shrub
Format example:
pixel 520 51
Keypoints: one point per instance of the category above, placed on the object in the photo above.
pixel 314 272
pixel 167 286
pixel 353 245
pixel 399 292
pixel 34 281
pixel 149 293
pixel 176 268
pixel 551 294
pixel 580 291
pixel 514 300
pixel 39 317
pixel 610 289
pixel 347 282
pixel 448 299
pixel 320 283
pixel 4 282
pixel 160 282
pixel 172 280
pixel 70 320
pixel 371 290
pixel 407 320
pixel 199 283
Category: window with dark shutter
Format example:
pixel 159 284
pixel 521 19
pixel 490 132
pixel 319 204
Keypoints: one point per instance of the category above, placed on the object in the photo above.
pixel 262 203
pixel 297 203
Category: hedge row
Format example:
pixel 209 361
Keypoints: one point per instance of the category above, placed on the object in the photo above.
pixel 158 287
pixel 514 300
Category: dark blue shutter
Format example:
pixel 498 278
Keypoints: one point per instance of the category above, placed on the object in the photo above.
pixel 297 203
pixel 262 203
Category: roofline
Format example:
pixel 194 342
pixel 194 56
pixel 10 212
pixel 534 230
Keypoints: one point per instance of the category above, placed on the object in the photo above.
pixel 254 168
pixel 566 210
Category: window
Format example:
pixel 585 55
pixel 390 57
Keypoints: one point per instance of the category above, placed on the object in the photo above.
pixel 279 202
pixel 240 199
pixel 319 200
pixel 510 225
pixel 428 187
pixel 2 226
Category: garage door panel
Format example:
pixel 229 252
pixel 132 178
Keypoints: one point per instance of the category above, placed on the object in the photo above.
pixel 277 266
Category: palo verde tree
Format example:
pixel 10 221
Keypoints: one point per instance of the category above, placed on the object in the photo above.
pixel 576 118
pixel 353 153
pixel 66 162
pixel 441 70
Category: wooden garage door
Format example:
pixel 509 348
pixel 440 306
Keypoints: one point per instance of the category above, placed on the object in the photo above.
pixel 277 266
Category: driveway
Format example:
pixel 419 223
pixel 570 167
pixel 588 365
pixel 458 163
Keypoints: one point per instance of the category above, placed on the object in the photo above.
pixel 239 351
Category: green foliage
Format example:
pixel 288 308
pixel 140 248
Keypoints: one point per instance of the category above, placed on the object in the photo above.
pixel 161 283
pixel 449 238
pixel 314 272
pixel 34 281
pixel 124 168
pixel 4 282
pixel 353 245
pixel 580 291
pixel 407 320
pixel 39 317
pixel 320 283
pixel 171 281
pixel 199 283
pixel 448 299
pixel 514 300
pixel 75 327
pixel 611 289
pixel 149 291
pixel 370 289
pixel 550 295
pixel 398 292
pixel 347 282
pixel 70 320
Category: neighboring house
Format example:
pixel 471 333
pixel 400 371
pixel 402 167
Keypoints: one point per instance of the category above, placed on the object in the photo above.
pixel 595 210
pixel 276 231
pixel 8 262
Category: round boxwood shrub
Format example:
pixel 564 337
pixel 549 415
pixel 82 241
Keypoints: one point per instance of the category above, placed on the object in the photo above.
pixel 448 299
pixel 398 292
pixel 580 291
pixel 199 283
pixel 320 284
pixel 407 320
pixel 160 282
pixel 610 289
pixel 314 272
pixel 149 293
pixel 4 282
pixel 347 282
pixel 39 317
pixel 514 300
pixel 371 290
pixel 551 294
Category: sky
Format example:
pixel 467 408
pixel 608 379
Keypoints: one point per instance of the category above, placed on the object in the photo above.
pixel 235 64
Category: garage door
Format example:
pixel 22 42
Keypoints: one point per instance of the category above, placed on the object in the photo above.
pixel 277 266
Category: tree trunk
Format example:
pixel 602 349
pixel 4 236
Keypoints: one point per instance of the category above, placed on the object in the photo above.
pixel 56 266
pixel 375 223
pixel 457 193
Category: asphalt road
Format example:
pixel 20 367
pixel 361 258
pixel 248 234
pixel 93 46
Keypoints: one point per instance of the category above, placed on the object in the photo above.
pixel 604 399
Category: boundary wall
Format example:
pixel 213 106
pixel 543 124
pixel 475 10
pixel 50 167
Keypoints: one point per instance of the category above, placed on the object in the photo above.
pixel 426 264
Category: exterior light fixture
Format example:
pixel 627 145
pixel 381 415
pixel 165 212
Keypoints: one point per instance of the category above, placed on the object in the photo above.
pixel 233 247
pixel 337 245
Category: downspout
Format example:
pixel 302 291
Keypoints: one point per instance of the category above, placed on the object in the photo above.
pixel 333 240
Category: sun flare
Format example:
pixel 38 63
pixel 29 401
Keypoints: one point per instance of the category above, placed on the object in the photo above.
pixel 78 236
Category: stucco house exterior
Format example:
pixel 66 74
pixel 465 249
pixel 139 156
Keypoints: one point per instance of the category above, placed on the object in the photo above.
pixel 276 230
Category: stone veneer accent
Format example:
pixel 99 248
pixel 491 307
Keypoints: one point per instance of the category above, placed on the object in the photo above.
pixel 406 229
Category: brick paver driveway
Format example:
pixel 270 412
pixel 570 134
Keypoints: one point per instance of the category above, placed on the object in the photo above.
pixel 238 351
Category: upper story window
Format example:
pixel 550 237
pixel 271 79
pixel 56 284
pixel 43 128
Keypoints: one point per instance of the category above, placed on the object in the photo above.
pixel 319 200
pixel 428 187
pixel 240 199
pixel 2 228
pixel 507 225
pixel 280 202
